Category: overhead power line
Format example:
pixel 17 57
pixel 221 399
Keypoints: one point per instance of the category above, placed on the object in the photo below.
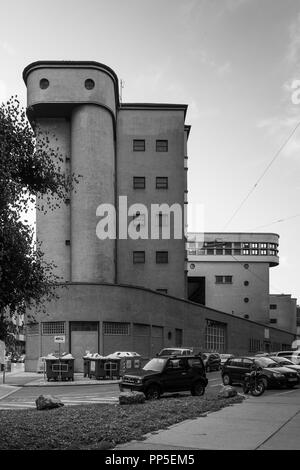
pixel 277 221
pixel 262 175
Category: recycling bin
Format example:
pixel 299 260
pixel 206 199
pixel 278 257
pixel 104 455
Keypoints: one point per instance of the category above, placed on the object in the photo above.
pixel 97 369
pixel 130 364
pixel 112 368
pixel 60 369
pixel 86 366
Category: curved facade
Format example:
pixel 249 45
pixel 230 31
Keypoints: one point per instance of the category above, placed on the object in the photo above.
pixel 107 317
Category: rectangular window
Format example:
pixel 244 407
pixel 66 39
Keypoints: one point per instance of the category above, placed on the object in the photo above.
pixel 161 145
pixel 215 336
pixel 53 328
pixel 139 145
pixel 139 182
pixel 254 245
pixel 223 279
pixel 162 220
pixel 161 182
pixel 210 251
pixel 246 245
pixel 273 307
pixel 162 257
pixel 32 329
pixel 138 257
pixel 273 320
pixel 227 251
pixel 263 246
pixel 263 252
pixel 254 252
pixel 84 326
pixel 246 252
pixel 236 252
pixel 115 328
pixel 219 251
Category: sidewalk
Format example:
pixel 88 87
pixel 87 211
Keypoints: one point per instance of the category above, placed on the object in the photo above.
pixel 269 422
pixel 20 378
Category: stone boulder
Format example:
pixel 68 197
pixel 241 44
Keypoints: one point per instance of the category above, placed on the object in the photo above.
pixel 227 392
pixel 47 402
pixel 131 398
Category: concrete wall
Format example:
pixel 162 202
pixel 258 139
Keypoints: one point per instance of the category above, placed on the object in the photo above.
pixel 151 125
pixel 138 306
pixel 229 298
pixel 53 226
pixel 285 313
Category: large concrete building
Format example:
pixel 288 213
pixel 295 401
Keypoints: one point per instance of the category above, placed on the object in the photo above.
pixel 123 293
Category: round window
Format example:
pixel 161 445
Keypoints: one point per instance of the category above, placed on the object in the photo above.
pixel 89 84
pixel 246 266
pixel 44 83
pixel 192 266
pixel 246 300
pixel 246 283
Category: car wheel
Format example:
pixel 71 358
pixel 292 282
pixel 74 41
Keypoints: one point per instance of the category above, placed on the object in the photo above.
pixel 226 379
pixel 198 389
pixel 153 392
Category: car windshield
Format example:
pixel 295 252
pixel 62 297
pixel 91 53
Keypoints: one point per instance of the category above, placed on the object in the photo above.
pixel 266 362
pixel 155 364
pixel 169 352
pixel 282 361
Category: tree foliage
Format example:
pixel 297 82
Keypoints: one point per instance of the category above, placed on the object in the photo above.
pixel 30 167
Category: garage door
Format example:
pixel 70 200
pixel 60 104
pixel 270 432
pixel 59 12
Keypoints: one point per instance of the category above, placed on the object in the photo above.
pixel 141 339
pixel 84 337
pixel 157 338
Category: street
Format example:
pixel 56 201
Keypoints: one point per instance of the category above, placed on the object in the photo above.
pixel 24 397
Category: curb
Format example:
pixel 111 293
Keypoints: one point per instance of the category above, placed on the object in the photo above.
pixel 69 384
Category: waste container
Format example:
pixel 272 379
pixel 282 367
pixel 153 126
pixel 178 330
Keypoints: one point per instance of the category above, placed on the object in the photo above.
pixel 129 361
pixel 97 368
pixel 86 366
pixel 112 368
pixel 60 369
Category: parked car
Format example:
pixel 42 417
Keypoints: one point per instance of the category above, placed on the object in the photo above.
pixel 175 352
pixel 167 374
pixel 262 354
pixel 224 358
pixel 212 361
pixel 294 356
pixel 284 362
pixel 273 374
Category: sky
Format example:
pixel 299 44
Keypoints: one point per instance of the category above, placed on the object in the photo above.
pixel 234 62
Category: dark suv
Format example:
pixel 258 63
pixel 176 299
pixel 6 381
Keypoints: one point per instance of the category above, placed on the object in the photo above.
pixel 272 374
pixel 167 374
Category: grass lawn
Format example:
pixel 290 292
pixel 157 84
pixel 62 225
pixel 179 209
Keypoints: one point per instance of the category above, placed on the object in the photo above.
pixel 100 426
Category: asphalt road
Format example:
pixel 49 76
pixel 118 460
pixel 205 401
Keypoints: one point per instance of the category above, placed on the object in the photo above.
pixel 25 397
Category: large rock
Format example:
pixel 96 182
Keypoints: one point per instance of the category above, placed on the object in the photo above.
pixel 47 402
pixel 130 398
pixel 227 392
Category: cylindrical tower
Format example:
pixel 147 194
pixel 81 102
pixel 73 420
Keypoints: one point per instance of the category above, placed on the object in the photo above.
pixel 93 159
pixel 77 102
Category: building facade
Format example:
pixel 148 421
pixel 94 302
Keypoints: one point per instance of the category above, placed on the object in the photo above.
pixel 230 272
pixel 127 291
pixel 283 312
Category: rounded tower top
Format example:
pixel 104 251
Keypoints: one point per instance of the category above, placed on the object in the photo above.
pixel 55 87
